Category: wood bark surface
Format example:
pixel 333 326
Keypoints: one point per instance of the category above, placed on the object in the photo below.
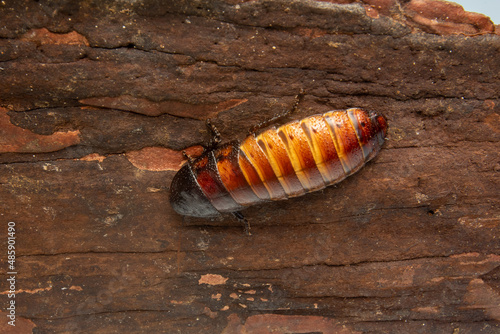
pixel 99 98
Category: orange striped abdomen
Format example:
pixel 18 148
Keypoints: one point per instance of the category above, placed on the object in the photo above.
pixel 279 163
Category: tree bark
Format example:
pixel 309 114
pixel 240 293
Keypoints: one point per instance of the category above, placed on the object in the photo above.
pixel 98 100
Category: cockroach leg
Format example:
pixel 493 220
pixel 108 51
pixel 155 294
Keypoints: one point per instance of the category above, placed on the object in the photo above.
pixel 239 216
pixel 298 99
pixel 276 117
pixel 187 157
pixel 215 134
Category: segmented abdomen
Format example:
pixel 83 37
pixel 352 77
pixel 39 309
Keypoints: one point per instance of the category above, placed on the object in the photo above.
pixel 288 161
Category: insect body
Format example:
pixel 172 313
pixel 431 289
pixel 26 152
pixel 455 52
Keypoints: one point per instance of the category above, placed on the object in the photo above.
pixel 280 163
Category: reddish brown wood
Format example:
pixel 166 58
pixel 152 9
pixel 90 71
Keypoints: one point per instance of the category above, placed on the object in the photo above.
pixel 99 98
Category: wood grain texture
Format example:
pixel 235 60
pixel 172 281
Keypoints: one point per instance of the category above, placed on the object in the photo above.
pixel 98 99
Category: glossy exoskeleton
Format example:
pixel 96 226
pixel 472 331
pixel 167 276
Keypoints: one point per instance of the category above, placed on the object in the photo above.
pixel 291 160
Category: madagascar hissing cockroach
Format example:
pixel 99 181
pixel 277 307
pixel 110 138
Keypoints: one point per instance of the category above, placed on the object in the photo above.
pixel 279 163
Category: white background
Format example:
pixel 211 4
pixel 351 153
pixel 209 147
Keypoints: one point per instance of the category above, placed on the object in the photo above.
pixel 490 8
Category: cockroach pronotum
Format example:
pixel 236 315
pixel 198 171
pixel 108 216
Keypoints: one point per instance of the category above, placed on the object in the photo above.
pixel 291 160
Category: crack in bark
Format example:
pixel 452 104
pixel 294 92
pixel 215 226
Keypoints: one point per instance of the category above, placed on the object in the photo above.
pixel 222 270
pixel 105 313
pixel 166 251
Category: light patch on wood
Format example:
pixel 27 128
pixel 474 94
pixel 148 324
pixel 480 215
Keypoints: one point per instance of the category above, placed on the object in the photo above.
pixel 421 197
pixel 448 18
pixel 28 291
pixel 16 139
pixel 478 222
pixel 20 184
pixel 159 158
pixel 23 325
pixel 208 312
pixel 437 279
pixel 488 262
pixel 93 157
pixel 371 12
pixel 177 302
pixel 493 119
pixel 483 297
pixel 469 255
pixel 212 279
pixel 277 323
pixel 43 36
pixel 427 309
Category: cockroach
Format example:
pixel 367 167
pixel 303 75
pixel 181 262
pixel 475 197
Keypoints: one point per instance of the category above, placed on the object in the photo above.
pixel 284 162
